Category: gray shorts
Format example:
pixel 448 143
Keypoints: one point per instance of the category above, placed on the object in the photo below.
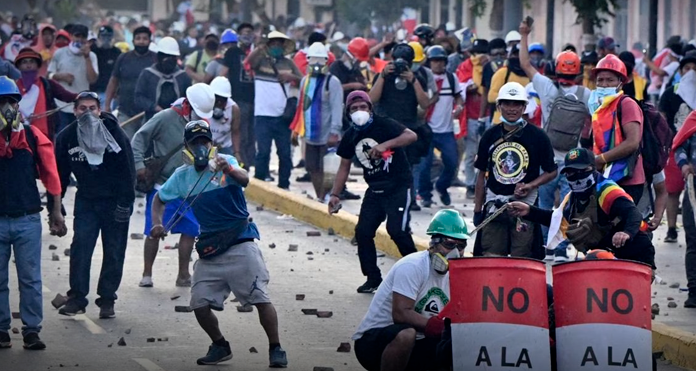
pixel 240 270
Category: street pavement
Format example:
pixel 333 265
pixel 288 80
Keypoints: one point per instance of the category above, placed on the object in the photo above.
pixel 327 277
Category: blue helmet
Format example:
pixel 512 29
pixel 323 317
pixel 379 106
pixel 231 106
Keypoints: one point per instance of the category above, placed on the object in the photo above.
pixel 228 36
pixel 9 88
pixel 536 47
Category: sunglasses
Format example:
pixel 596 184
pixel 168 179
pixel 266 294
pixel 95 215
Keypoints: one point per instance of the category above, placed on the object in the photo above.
pixel 87 94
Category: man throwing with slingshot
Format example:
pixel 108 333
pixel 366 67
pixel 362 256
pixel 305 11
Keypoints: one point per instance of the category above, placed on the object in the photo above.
pixel 230 260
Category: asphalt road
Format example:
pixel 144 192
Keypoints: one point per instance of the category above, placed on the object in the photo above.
pixel 85 342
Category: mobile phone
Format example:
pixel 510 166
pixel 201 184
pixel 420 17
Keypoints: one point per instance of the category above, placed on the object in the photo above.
pixel 529 21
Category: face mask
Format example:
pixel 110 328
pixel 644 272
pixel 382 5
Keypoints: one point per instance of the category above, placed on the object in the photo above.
pixel 581 181
pixel 535 61
pixel 106 42
pixel 275 51
pixel 360 118
pixel 8 116
pixel 212 45
pixel 689 78
pixel 498 60
pixel 218 113
pixel 75 47
pixel 519 121
pixel 28 78
pixel 246 39
pixel 141 49
pixel 415 66
pixel 597 97
pixel 166 65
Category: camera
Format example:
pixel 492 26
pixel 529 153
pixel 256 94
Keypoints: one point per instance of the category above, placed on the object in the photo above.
pixel 400 66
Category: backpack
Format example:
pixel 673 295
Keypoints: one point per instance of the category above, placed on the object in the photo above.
pixel 567 117
pixel 657 138
pixel 162 79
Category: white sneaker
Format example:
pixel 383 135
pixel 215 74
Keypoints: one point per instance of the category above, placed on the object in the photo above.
pixel 146 281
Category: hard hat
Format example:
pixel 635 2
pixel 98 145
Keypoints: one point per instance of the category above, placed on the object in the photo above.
pixel 424 30
pixel 403 51
pixel 611 63
pixel 567 63
pixel 168 46
pixel 418 54
pixel 221 86
pixel 8 88
pixel 437 52
pixel 318 50
pixel 228 36
pixel 123 46
pixel 202 99
pixel 449 223
pixel 536 47
pixel 359 49
pixel 512 91
pixel 512 36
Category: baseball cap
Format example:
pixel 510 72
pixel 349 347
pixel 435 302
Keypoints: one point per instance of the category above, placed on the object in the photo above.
pixel 578 159
pixel 106 31
pixel 356 96
pixel 197 129
pixel 690 57
pixel 607 43
pixel 480 46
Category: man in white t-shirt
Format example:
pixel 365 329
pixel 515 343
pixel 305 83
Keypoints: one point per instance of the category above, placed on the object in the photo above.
pixel 402 327
pixel 567 69
pixel 75 68
pixel 440 118
pixel 224 125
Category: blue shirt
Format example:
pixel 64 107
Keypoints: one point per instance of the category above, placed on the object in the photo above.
pixel 219 199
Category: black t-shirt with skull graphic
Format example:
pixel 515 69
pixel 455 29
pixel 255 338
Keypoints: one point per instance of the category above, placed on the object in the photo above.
pixel 379 174
pixel 516 160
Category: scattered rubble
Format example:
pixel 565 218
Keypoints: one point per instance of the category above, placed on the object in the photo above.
pixel 272 246
pixel 174 297
pixel 309 312
pixel 121 342
pixel 655 309
pixel 245 308
pixel 344 348
pixel 150 340
pixel 292 247
pixel 259 208
pixel 299 297
pixel 15 330
pixel 128 331
pixel 313 233
pixel 183 309
pixel 253 350
pixel 66 252
pixel 671 304
pixel 137 236
pixel 52 247
pixel 324 314
pixel 674 285
pixel 55 257
pixel 331 232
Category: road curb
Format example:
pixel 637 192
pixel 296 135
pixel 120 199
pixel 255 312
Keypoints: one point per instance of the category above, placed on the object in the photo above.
pixel 315 213
pixel 678 346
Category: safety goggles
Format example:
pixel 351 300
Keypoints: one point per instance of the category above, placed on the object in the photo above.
pixel 86 95
pixel 198 124
pixel 450 244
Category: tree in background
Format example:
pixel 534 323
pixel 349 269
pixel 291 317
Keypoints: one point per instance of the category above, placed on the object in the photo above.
pixel 592 13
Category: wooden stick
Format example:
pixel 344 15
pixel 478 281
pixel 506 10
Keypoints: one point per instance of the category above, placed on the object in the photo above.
pixel 133 119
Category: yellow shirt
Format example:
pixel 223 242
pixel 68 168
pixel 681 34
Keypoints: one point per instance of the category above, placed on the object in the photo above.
pixel 497 82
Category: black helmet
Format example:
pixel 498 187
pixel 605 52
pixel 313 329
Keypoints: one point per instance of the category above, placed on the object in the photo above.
pixel 437 52
pixel 196 129
pixel 424 31
pixel 403 51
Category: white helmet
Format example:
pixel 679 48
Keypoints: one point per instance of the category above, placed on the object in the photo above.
pixel 512 91
pixel 168 46
pixel 221 86
pixel 202 99
pixel 512 36
pixel 317 50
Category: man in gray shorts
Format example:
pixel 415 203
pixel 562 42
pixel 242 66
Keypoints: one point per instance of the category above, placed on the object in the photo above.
pixel 230 260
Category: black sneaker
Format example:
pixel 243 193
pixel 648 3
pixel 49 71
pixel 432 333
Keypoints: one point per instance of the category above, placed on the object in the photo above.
pixel 445 198
pixel 300 164
pixel 690 302
pixel 71 308
pixel 216 354
pixel 33 342
pixel 415 207
pixel 346 195
pixel 354 241
pixel 427 203
pixel 106 310
pixel 277 358
pixel 304 179
pixel 672 235
pixel 369 287
pixel 5 341
pixel 470 193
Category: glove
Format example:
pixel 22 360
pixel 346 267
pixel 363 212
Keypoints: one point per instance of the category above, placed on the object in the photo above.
pixel 478 218
pixel 122 214
pixel 434 327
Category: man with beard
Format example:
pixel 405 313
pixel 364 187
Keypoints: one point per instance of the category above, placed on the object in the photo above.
pixel 163 83
pixel 124 79
pixel 98 153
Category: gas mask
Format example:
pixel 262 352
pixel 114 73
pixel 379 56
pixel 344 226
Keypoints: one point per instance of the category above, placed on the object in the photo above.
pixel 9 116
pixel 218 113
pixel 199 156
pixel 440 263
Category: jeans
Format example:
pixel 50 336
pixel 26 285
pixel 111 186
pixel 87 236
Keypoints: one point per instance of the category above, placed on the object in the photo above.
pixel 64 119
pixel 690 232
pixel 392 205
pixel 23 235
pixel 91 217
pixel 447 145
pixel 547 195
pixel 471 143
pixel 269 129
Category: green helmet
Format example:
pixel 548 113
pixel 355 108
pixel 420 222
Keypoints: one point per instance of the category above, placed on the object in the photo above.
pixel 448 222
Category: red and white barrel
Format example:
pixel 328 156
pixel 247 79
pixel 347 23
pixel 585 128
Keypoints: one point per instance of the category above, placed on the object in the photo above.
pixel 603 316
pixel 499 314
